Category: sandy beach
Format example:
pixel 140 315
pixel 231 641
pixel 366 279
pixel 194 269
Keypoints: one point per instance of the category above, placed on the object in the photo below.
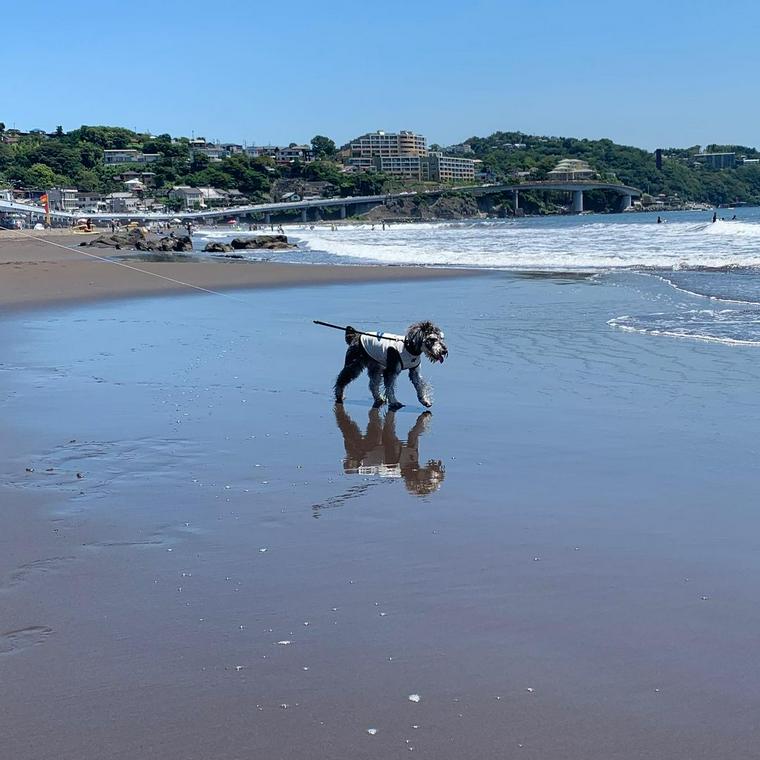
pixel 201 557
pixel 33 272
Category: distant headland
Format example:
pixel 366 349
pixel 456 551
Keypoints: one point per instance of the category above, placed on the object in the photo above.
pixel 112 170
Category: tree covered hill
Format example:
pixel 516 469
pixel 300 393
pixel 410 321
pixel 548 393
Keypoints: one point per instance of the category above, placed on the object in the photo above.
pixel 506 153
pixel 75 159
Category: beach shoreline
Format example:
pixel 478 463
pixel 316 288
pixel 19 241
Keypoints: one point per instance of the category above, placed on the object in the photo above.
pixel 35 273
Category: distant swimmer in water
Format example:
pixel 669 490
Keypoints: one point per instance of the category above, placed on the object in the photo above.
pixel 733 218
pixel 715 216
pixel 659 220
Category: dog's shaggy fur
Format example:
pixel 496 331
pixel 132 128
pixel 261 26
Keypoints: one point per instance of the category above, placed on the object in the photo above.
pixel 421 339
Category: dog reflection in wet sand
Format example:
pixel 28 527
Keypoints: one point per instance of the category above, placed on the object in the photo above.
pixel 380 452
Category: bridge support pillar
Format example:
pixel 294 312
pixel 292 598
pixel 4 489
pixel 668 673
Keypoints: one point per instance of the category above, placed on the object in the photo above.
pixel 625 202
pixel 516 199
pixel 267 218
pixel 577 201
pixel 305 214
pixel 343 212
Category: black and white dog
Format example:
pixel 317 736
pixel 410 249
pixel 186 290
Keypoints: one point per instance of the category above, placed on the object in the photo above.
pixel 385 356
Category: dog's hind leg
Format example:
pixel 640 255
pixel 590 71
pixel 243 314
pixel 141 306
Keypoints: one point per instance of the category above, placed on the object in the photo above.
pixel 355 363
pixel 375 372
pixel 422 388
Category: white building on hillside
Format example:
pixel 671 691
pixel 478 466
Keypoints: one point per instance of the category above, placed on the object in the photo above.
pixel 128 156
pixel 569 169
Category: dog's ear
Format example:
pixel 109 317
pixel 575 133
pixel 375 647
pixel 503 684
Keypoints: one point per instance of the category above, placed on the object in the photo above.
pixel 415 337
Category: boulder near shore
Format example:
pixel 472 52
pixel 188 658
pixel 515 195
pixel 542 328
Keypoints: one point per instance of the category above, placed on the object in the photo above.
pixel 141 240
pixel 260 242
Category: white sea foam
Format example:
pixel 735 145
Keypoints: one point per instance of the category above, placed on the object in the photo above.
pixel 737 327
pixel 552 244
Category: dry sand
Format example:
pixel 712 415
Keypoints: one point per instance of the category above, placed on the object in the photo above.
pixel 33 272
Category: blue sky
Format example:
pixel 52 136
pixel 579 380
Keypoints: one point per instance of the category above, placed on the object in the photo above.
pixel 645 73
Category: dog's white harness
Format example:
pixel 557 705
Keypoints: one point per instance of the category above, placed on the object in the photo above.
pixel 377 347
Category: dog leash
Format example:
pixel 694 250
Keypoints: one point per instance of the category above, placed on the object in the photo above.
pixel 343 329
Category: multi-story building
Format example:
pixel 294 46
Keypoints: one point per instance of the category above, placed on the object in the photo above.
pixel 203 197
pixel 89 203
pixel 461 149
pixel 718 160
pixel 147 178
pixel 70 199
pixel 121 203
pixel 439 168
pixel 403 167
pixel 63 198
pixel 191 197
pixel 362 151
pixel 282 155
pixel 128 156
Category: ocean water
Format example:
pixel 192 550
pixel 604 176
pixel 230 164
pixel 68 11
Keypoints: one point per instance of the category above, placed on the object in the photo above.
pixel 711 270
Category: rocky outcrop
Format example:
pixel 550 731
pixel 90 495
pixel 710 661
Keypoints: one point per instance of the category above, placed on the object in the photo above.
pixel 426 207
pixel 267 242
pixel 217 248
pixel 118 240
pixel 177 244
pixel 141 240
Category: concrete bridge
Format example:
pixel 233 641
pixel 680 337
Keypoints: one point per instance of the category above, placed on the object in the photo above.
pixel 576 187
pixel 346 206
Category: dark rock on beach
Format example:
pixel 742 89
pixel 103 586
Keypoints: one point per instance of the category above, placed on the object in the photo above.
pixel 267 242
pixel 141 240
pixel 217 248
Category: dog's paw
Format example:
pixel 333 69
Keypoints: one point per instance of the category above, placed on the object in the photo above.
pixel 395 406
pixel 426 402
pixel 378 403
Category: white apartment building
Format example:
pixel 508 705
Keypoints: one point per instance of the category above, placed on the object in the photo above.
pixel 403 167
pixel 282 154
pixel 362 151
pixel 63 198
pixel 128 156
pixel 439 168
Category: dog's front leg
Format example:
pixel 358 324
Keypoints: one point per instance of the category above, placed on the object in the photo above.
pixel 422 388
pixel 375 372
pixel 390 375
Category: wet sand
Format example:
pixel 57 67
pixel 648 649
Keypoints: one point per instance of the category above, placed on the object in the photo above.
pixel 560 561
pixel 35 273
